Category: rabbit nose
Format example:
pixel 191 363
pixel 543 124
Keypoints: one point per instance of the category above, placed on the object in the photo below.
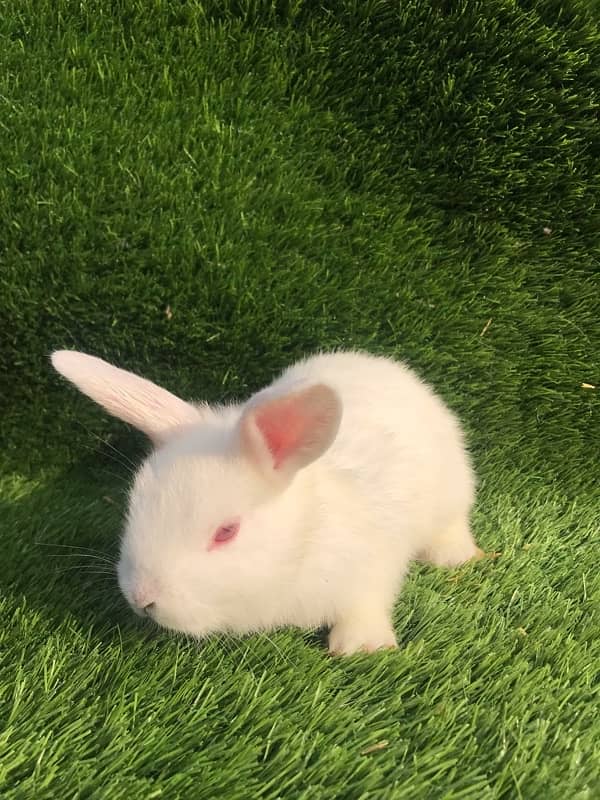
pixel 141 599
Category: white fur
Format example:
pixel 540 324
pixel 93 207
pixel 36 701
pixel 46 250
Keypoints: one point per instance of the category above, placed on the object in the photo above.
pixel 332 542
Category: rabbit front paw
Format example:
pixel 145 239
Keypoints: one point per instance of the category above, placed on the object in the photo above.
pixel 364 635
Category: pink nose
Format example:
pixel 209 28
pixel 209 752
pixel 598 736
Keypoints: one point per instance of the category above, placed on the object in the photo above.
pixel 142 599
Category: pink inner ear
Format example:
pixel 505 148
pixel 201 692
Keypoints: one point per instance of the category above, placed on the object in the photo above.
pixel 283 426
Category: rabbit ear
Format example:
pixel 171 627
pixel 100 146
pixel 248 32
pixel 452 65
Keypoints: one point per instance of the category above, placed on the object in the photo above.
pixel 135 400
pixel 283 434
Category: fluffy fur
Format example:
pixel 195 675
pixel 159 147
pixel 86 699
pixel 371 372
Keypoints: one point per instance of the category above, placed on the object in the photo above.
pixel 339 474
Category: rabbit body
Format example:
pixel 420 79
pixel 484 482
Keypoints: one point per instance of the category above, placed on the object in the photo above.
pixel 303 506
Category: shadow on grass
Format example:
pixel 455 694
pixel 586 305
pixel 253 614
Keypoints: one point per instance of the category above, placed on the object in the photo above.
pixel 61 542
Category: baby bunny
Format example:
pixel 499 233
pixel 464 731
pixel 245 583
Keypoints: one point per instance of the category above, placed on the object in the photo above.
pixel 303 506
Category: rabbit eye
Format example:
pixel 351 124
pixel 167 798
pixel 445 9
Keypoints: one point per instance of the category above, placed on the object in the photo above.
pixel 225 533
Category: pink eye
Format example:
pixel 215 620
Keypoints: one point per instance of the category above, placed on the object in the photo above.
pixel 224 533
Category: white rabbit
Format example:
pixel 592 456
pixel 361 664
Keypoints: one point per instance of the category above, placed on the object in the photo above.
pixel 303 506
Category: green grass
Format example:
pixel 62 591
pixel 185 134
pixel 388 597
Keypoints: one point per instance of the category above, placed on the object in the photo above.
pixel 285 177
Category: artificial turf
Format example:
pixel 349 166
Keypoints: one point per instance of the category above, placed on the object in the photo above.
pixel 206 191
